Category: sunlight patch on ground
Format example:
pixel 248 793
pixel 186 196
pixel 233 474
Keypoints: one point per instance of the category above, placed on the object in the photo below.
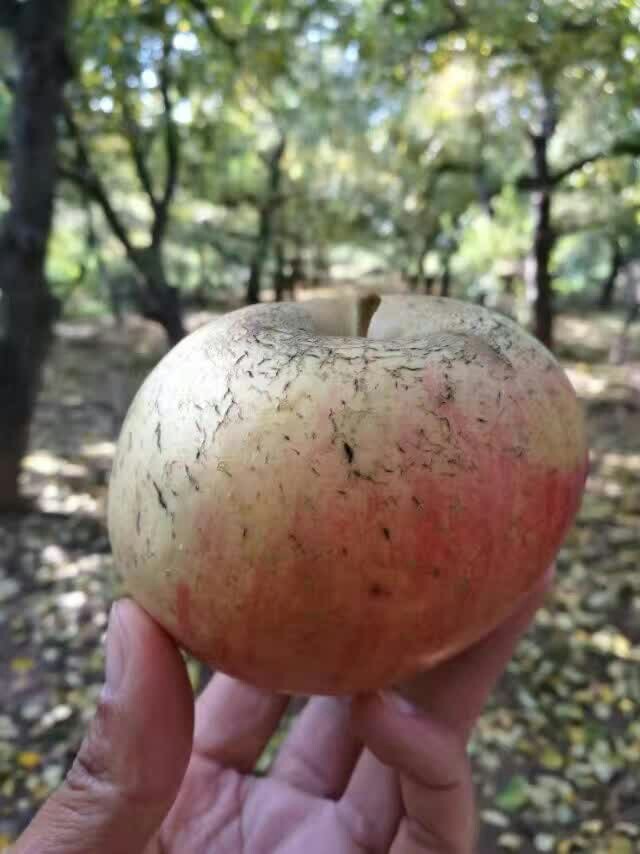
pixel 54 499
pixel 98 450
pixel 47 464
pixel 614 460
pixel 74 599
pixel 584 383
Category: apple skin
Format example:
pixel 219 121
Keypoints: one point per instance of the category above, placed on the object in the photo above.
pixel 327 515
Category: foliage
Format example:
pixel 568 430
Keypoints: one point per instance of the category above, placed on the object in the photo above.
pixel 406 129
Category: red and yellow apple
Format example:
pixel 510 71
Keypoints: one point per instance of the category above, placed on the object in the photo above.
pixel 324 514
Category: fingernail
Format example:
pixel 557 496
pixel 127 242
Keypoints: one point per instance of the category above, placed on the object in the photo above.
pixel 115 651
pixel 400 703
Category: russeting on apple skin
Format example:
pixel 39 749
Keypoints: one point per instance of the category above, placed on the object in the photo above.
pixel 324 515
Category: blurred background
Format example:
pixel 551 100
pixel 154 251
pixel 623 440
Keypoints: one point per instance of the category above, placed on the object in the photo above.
pixel 162 162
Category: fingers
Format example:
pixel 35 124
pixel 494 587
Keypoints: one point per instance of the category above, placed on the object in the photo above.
pixel 234 722
pixel 320 752
pixel 132 761
pixel 456 691
pixel 426 752
pixel 430 762
pixel 371 805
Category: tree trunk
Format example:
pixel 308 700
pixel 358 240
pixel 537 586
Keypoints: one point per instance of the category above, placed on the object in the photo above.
pixel 167 310
pixel 296 274
pixel 280 277
pixel 445 281
pixel 608 285
pixel 27 310
pixel 543 242
pixel 254 284
pixel 159 301
pixel 266 212
pixel 421 281
pixel 542 248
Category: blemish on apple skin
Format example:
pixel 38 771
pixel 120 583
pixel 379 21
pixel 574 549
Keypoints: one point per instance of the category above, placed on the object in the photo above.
pixel 376 590
pixel 192 480
pixel 160 496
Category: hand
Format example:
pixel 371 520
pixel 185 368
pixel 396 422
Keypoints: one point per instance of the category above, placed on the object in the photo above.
pixel 150 780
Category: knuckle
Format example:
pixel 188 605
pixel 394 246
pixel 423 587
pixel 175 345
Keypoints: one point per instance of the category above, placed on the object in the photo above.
pixel 91 768
pixel 301 767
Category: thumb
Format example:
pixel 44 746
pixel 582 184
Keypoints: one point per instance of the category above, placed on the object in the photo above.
pixel 131 763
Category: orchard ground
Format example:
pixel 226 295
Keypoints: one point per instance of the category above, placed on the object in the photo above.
pixel 556 750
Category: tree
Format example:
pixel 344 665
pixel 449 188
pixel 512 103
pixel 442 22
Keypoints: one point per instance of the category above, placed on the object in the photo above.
pixel 553 58
pixel 157 298
pixel 539 274
pixel 447 141
pixel 536 61
pixel 27 309
pixel 266 212
pixel 615 266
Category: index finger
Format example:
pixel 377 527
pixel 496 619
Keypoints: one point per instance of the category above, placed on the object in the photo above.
pixel 234 722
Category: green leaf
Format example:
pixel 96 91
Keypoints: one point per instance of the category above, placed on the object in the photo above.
pixel 514 795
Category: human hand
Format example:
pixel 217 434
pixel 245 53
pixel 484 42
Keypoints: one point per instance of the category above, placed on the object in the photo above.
pixel 369 774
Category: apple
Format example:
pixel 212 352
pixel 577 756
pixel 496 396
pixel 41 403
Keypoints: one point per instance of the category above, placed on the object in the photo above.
pixel 322 515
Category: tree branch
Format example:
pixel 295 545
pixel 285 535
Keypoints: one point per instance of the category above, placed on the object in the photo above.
pixel 459 167
pixel 576 166
pixel 629 146
pixel 235 201
pixel 132 133
pixel 77 177
pixel 446 28
pixel 211 24
pixel 590 24
pixel 621 148
pixel 172 149
pixel 86 177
